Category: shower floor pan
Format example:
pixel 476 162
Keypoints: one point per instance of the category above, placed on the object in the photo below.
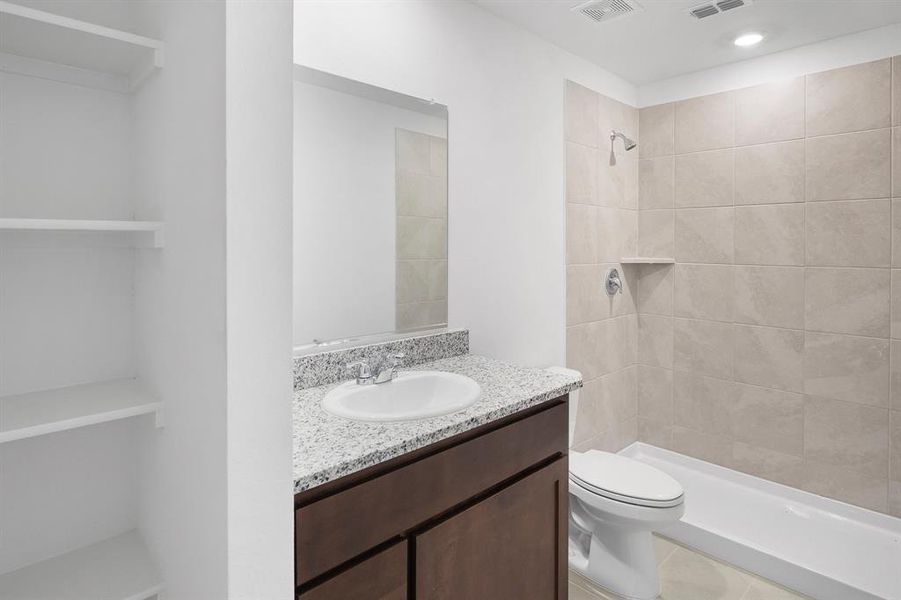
pixel 820 547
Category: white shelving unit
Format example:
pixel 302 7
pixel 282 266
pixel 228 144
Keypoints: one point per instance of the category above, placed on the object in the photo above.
pixel 155 228
pixel 39 413
pixel 119 568
pixel 646 260
pixel 50 46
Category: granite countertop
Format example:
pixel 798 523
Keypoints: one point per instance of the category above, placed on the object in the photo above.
pixel 327 447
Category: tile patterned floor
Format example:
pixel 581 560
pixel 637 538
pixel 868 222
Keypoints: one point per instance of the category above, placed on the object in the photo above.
pixel 687 575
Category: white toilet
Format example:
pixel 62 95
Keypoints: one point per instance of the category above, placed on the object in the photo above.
pixel 615 505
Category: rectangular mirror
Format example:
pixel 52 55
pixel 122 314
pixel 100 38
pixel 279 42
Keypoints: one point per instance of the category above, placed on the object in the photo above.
pixel 370 210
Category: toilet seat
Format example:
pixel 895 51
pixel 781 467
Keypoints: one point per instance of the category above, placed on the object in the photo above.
pixel 624 479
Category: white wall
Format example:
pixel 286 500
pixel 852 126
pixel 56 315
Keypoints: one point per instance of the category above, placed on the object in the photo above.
pixel 504 90
pixel 344 211
pixel 179 125
pixel 259 112
pixel 844 51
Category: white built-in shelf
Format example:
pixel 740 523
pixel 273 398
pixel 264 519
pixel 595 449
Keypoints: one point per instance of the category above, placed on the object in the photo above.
pixel 39 413
pixel 42 44
pixel 119 568
pixel 646 260
pixel 155 228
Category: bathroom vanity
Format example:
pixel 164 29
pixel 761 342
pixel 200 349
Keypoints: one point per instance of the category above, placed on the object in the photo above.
pixel 467 505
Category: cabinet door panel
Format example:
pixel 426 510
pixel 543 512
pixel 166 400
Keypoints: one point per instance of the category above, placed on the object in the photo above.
pixel 381 577
pixel 510 546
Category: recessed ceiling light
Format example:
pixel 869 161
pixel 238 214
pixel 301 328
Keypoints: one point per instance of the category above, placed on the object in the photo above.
pixel 748 39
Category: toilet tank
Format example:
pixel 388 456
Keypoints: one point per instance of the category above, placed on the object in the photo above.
pixel 573 399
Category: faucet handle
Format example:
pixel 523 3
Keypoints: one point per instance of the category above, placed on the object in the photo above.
pixel 360 370
pixel 397 358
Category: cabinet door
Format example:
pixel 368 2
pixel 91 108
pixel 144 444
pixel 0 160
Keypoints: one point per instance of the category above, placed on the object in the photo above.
pixel 509 546
pixel 380 577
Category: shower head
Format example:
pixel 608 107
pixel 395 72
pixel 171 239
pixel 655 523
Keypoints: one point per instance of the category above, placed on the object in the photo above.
pixel 628 142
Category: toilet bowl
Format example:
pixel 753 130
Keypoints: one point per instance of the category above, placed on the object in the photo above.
pixel 616 503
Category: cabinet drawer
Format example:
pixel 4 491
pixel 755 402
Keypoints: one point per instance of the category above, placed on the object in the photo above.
pixel 337 528
pixel 381 577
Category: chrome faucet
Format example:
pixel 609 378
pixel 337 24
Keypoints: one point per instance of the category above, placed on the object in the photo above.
pixel 384 371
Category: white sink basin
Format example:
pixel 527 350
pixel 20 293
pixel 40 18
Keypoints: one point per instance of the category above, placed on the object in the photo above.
pixel 412 395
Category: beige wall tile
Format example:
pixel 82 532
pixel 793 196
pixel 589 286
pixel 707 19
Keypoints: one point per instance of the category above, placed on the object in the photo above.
pixel 703 292
pixel 581 115
pixel 655 289
pixel 896 162
pixel 704 235
pixel 769 357
pixel 896 92
pixel 656 127
pixel 703 403
pixel 844 434
pixel 770 112
pixel 854 301
pixel 846 484
pixel 421 195
pixel 895 401
pixel 896 232
pixel 581 234
pixel 618 184
pixel 617 234
pixel 655 434
pixel 617 397
pixel 852 98
pixel 588 423
pixel 586 349
pixel 655 395
pixel 771 419
pixel 849 166
pixel 586 299
pixel 896 303
pixel 420 314
pixel 703 347
pixel 894 445
pixel 770 174
pixel 782 468
pixel 656 182
pixel 655 232
pixel 704 179
pixel 705 123
pixel 581 174
pixel 894 498
pixel 438 156
pixel 421 237
pixel 421 280
pixel 655 341
pixel 619 340
pixel 413 152
pixel 854 369
pixel 616 115
pixel 849 234
pixel 769 235
pixel 716 449
pixel 771 296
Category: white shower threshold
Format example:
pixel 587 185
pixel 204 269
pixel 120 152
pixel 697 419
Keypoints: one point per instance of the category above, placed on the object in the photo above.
pixel 820 547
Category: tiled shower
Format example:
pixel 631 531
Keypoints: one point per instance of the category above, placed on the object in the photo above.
pixel 773 344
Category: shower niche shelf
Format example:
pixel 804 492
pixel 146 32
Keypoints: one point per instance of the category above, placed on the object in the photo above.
pixel 39 413
pixel 646 260
pixel 118 568
pixel 50 46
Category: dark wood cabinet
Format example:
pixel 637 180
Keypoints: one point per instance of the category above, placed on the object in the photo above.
pixel 480 515
pixel 506 546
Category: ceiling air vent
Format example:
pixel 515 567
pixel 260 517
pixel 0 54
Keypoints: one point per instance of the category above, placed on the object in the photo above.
pixel 607 10
pixel 708 10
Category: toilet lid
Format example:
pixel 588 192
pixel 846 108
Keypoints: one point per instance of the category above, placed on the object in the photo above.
pixel 624 479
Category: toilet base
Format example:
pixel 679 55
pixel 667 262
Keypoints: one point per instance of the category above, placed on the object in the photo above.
pixel 618 560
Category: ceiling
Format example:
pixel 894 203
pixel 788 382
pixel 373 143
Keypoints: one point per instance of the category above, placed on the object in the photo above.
pixel 664 40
